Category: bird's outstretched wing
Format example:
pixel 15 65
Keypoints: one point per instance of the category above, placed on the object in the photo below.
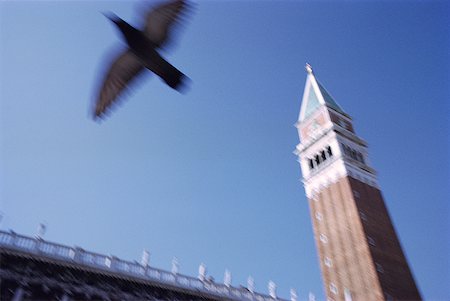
pixel 123 70
pixel 160 19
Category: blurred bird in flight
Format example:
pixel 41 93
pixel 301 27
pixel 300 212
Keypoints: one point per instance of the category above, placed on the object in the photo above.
pixel 142 53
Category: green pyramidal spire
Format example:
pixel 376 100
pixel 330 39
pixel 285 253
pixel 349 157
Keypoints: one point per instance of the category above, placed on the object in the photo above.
pixel 317 95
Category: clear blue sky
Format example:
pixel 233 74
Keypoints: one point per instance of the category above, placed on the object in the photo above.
pixel 210 176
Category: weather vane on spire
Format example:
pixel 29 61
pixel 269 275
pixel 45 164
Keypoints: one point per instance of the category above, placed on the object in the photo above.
pixel 308 68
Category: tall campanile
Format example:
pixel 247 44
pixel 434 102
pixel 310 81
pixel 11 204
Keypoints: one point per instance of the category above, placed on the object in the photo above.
pixel 360 255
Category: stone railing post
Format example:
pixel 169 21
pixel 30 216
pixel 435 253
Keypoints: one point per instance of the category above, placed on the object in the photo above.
pixel 272 289
pixel 76 253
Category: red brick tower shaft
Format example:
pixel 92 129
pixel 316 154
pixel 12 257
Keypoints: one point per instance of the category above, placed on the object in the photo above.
pixel 360 255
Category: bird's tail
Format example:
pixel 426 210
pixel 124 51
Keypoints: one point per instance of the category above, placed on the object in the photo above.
pixel 173 77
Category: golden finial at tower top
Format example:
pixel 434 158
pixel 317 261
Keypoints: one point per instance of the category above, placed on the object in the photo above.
pixel 308 68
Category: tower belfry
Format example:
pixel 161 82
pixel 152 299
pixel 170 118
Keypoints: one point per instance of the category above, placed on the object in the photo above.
pixel 360 255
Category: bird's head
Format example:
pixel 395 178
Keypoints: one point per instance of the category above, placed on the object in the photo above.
pixel 112 17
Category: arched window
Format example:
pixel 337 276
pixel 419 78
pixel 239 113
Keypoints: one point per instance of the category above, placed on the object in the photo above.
pixel 333 288
pixel 319 216
pixel 317 159
pixel 324 156
pixel 354 154
pixel 361 158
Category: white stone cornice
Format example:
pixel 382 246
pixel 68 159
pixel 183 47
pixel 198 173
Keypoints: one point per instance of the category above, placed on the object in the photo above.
pixel 349 135
pixel 321 134
pixel 332 173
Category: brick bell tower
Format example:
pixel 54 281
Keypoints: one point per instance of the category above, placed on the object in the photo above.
pixel 360 255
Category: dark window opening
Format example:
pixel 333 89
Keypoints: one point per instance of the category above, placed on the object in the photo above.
pixel 361 158
pixel 354 154
pixel 330 153
pixel 311 164
pixel 321 157
pixel 346 150
pixel 324 157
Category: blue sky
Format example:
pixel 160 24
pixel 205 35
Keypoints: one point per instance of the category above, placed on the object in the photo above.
pixel 210 176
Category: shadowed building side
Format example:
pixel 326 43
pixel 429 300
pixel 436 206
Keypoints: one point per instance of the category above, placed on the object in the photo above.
pixel 360 255
pixel 36 269
pixel 27 278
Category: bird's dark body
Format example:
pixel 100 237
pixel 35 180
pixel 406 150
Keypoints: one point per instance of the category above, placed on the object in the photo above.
pixel 145 50
pixel 142 53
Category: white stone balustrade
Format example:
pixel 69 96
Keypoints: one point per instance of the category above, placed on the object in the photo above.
pixel 40 247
